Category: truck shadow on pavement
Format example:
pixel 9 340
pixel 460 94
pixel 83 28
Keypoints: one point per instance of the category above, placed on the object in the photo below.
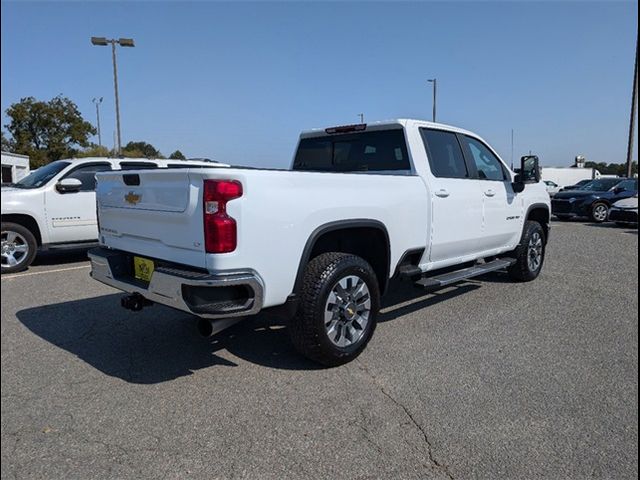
pixel 159 344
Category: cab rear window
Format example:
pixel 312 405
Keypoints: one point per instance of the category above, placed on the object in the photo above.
pixel 382 150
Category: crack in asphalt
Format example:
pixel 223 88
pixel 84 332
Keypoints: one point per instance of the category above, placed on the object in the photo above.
pixel 434 463
pixel 440 466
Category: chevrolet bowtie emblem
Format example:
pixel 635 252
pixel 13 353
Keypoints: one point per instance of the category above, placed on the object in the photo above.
pixel 132 198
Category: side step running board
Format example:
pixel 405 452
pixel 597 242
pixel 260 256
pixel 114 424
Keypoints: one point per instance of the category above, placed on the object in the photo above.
pixel 459 275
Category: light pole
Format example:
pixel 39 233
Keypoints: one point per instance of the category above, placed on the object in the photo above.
pixel 512 149
pixel 123 42
pixel 632 130
pixel 435 92
pixel 98 101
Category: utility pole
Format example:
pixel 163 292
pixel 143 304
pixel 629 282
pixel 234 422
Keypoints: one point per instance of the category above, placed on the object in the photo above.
pixel 435 94
pixel 123 42
pixel 98 101
pixel 634 102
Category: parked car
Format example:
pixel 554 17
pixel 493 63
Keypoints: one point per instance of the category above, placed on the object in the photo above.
pixel 55 206
pixel 594 199
pixel 552 188
pixel 625 212
pixel 361 204
pixel 577 186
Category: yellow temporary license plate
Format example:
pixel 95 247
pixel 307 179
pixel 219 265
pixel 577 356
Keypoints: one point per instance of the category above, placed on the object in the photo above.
pixel 143 268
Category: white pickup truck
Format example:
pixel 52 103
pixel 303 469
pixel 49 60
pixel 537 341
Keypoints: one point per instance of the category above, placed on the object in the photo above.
pixel 55 206
pixel 360 205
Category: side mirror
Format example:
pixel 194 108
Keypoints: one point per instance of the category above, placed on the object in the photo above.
pixel 69 185
pixel 618 190
pixel 530 169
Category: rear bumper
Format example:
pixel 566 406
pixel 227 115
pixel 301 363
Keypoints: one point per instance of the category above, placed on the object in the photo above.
pixel 218 295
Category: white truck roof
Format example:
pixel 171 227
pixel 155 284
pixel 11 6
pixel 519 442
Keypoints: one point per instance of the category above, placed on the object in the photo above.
pixel 396 122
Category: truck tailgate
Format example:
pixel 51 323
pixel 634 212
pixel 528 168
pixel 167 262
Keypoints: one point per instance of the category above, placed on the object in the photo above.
pixel 155 213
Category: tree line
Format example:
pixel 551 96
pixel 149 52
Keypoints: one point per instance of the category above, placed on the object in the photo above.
pixel 619 169
pixel 50 130
pixel 55 129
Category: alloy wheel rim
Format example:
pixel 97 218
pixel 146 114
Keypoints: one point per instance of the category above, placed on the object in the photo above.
pixel 534 253
pixel 14 248
pixel 347 311
pixel 600 213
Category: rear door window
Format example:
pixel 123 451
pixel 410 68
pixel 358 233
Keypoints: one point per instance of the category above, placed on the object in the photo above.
pixel 87 175
pixel 382 150
pixel 445 154
pixel 628 185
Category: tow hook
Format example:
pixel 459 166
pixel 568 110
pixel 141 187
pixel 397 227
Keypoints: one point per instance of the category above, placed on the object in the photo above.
pixel 135 302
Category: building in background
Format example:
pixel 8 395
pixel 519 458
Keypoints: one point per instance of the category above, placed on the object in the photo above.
pixel 14 167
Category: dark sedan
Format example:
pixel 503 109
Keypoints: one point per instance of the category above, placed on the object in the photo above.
pixel 594 199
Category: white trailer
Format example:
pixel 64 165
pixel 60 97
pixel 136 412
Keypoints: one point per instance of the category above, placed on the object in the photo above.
pixel 565 176
pixel 14 167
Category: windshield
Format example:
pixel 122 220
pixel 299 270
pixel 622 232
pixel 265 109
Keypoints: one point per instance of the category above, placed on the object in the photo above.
pixel 41 176
pixel 601 185
pixel 582 183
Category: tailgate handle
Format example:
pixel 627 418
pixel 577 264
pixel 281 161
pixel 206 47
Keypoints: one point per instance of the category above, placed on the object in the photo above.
pixel 131 179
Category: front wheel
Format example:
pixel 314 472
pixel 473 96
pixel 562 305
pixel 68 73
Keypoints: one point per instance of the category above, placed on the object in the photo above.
pixel 340 300
pixel 18 247
pixel 599 212
pixel 529 254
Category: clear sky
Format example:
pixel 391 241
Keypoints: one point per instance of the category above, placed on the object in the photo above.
pixel 238 81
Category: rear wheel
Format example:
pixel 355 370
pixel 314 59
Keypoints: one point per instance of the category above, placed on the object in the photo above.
pixel 340 300
pixel 599 212
pixel 530 253
pixel 18 247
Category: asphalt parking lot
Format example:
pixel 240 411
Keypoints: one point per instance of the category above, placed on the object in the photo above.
pixel 488 379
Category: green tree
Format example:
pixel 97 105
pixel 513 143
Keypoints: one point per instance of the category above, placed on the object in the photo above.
pixel 47 131
pixel 7 144
pixel 141 149
pixel 177 155
pixel 619 169
pixel 95 151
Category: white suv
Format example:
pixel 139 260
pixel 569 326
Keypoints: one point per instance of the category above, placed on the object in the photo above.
pixel 55 206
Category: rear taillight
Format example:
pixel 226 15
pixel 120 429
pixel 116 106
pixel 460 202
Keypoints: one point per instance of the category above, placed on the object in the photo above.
pixel 220 230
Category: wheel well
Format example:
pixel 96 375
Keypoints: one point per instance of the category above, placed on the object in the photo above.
pixel 368 242
pixel 27 222
pixel 542 216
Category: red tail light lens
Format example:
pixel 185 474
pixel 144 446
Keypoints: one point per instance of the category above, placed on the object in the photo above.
pixel 220 230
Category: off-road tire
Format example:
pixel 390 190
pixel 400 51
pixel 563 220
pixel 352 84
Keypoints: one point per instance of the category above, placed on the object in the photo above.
pixel 521 271
pixel 307 329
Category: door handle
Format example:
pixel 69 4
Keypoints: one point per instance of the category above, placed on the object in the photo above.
pixel 490 193
pixel 442 193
